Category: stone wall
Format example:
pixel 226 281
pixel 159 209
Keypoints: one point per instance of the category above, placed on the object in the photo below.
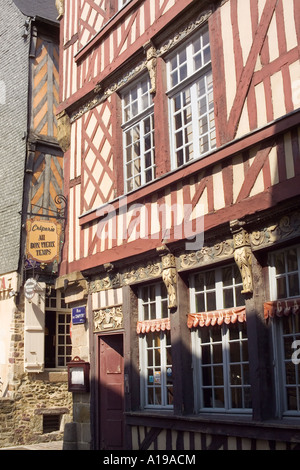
pixel 31 396
pixel 7 421
pixel 37 396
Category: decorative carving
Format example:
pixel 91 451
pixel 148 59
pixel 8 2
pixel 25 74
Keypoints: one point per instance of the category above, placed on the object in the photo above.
pixel 207 255
pixel 169 275
pixel 125 79
pixel 243 258
pixel 110 318
pixel 63 130
pixel 181 35
pixel 142 273
pixel 243 254
pixel 60 7
pixel 109 281
pixel 151 64
pixel 287 227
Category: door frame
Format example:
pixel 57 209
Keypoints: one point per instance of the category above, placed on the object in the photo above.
pixel 96 389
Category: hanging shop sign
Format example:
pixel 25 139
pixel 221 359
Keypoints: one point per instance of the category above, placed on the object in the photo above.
pixel 43 240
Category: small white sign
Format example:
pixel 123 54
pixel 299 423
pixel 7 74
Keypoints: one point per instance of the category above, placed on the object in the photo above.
pixel 30 288
pixel 77 376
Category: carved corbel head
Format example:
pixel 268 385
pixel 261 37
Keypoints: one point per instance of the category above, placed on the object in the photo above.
pixel 243 254
pixel 60 7
pixel 151 62
pixel 169 275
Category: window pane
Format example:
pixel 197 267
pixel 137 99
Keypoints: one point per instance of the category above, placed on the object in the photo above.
pixel 210 280
pixel 217 354
pixel 228 298
pixel 280 263
pixel 218 375
pixel 200 305
pixel 292 261
pixel 292 399
pixel 219 398
pixel 206 355
pixel 293 281
pixel 240 300
pixel 227 276
pixel 199 282
pixel 211 301
pixel 207 398
pixel 281 288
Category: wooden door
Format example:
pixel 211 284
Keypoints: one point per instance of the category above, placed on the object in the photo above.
pixel 111 391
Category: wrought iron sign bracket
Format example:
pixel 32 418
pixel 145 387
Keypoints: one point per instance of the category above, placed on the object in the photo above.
pixel 60 213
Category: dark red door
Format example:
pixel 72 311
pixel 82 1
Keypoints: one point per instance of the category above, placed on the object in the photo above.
pixel 111 383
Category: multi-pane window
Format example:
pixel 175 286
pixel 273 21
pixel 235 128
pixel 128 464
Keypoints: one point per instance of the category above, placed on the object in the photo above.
pixel 218 289
pixel 285 284
pixel 286 271
pixel 190 93
pixel 220 352
pixel 58 348
pixel 155 349
pixel 138 135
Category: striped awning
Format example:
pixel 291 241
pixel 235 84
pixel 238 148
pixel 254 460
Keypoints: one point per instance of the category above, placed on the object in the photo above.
pixel 147 326
pixel 280 308
pixel 217 317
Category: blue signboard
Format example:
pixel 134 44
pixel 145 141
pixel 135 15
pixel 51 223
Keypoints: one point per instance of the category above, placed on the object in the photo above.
pixel 78 315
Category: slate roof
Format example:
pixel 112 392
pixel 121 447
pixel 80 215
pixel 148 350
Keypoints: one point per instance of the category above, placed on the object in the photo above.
pixel 38 8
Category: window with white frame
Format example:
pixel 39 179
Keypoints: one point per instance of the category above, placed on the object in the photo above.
pixel 284 285
pixel 220 352
pixel 155 349
pixel 121 3
pixel 191 104
pixel 138 135
pixel 58 347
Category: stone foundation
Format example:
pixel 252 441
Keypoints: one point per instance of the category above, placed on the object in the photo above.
pixel 38 399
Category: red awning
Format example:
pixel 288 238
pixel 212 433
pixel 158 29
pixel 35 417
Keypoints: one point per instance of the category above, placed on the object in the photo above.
pixel 281 308
pixel 147 326
pixel 217 317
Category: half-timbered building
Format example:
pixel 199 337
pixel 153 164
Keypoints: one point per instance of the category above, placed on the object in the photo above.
pixel 181 128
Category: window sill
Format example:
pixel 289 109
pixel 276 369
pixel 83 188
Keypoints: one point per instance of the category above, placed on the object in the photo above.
pixel 234 425
pixel 54 375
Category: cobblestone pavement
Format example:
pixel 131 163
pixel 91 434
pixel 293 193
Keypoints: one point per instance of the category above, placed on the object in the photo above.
pixel 56 445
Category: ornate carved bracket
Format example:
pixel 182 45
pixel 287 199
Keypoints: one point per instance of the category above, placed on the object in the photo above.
pixel 242 254
pixel 151 64
pixel 111 279
pixel 169 275
pixel 60 7
pixel 63 131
